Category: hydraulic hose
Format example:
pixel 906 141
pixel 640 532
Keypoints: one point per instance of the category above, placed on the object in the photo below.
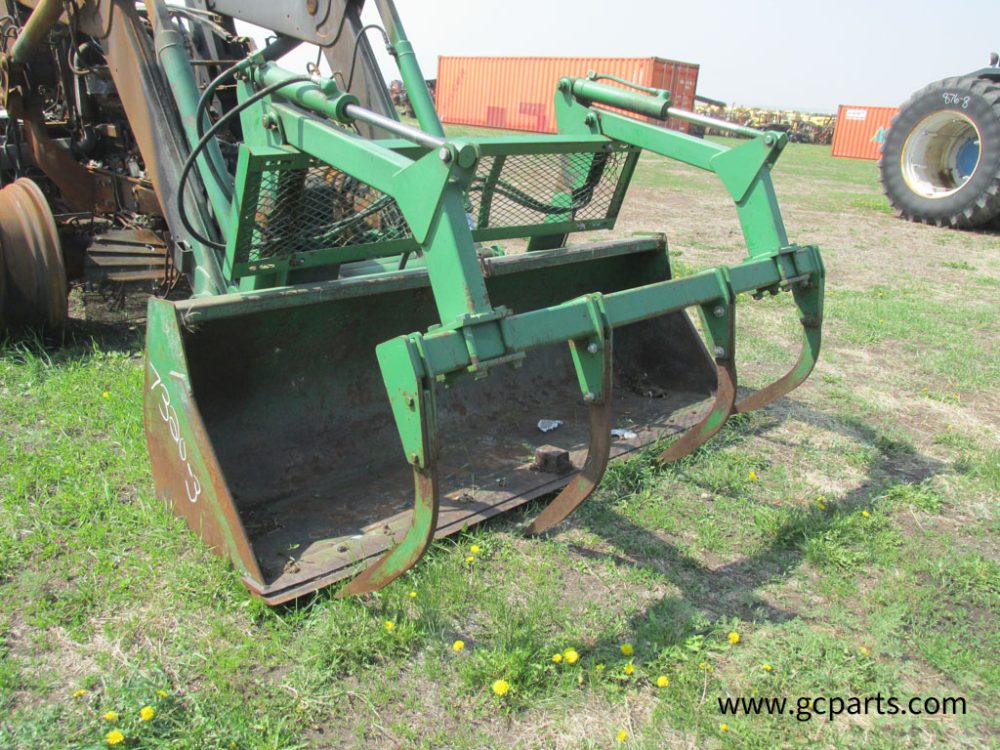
pixel 206 138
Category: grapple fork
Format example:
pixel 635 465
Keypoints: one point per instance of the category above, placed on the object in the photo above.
pixel 720 327
pixel 346 256
pixel 809 302
pixel 598 453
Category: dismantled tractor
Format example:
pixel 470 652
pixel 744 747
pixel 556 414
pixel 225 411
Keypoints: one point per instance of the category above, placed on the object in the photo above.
pixel 363 361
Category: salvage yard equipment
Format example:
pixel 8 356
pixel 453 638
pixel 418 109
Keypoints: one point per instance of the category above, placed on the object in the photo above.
pixel 360 367
pixel 941 159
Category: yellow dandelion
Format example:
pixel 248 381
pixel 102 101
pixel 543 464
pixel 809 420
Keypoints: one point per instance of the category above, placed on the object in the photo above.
pixel 413 594
pixel 599 668
pixel 627 649
pixel 501 688
pixel 622 735
pixel 752 476
pixel 110 716
pixel 662 681
pixel 766 667
pixel 389 624
pixel 723 727
pixel 470 559
pixel 458 645
pixel 114 737
pixel 146 713
pixel 571 656
pixel 629 668
pixel 733 637
pixel 820 504
pixel 475 549
pixel 106 394
pixel 702 665
pixel 863 651
pixel 79 693
pixel 162 693
pixel 557 658
pixel 865 513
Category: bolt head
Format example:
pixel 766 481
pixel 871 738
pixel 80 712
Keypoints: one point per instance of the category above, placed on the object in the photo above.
pixel 720 351
pixel 589 397
pixel 444 154
pixel 719 311
pixel 592 347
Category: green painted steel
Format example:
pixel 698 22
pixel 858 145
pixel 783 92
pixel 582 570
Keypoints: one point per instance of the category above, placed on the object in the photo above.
pixel 653 103
pixel 314 203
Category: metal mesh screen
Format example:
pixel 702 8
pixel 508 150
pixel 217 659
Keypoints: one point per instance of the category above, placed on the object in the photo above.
pixel 293 205
pixel 529 189
pixel 315 207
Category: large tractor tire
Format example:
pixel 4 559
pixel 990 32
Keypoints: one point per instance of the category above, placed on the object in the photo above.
pixel 941 159
pixel 33 286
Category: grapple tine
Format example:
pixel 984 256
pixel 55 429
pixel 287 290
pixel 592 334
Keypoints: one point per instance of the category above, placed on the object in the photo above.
pixel 722 408
pixel 426 502
pixel 598 453
pixel 411 548
pixel 810 304
pixel 791 380
pixel 719 322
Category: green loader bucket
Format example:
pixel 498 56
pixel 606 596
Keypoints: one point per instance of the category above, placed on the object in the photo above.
pixel 270 430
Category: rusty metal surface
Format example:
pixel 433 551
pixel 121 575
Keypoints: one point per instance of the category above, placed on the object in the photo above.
pixel 34 278
pixel 80 189
pixel 723 406
pixel 126 256
pixel 36 28
pixel 184 464
pixel 715 417
pixel 598 453
pixel 406 552
pixel 306 444
pixel 148 104
pixel 310 539
pixel 789 381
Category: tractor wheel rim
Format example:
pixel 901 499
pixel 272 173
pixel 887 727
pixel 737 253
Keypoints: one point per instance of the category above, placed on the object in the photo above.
pixel 32 258
pixel 941 154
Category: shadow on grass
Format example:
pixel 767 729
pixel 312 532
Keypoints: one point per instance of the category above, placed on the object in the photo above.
pixel 79 345
pixel 79 341
pixel 730 589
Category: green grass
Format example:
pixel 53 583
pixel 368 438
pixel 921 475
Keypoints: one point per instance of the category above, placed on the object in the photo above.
pixel 848 534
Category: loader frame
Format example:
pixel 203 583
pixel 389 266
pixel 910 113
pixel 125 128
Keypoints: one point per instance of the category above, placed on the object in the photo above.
pixel 299 131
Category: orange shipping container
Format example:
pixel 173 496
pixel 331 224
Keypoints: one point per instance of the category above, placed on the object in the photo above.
pixel 518 93
pixel 860 131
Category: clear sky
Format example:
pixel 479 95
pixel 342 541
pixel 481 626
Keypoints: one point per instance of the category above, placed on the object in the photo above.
pixel 798 54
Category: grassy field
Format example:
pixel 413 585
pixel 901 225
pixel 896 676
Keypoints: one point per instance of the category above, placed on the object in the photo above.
pixel 843 542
